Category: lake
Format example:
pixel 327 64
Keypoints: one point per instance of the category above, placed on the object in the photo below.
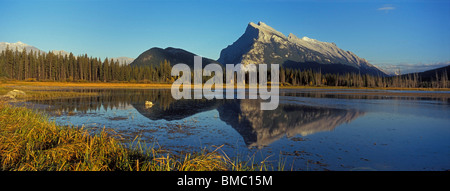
pixel 311 130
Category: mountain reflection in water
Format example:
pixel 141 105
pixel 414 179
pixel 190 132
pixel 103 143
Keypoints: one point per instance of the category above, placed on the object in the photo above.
pixel 257 127
pixel 262 127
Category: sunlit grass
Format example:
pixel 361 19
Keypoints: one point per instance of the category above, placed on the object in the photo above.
pixel 31 94
pixel 52 85
pixel 119 85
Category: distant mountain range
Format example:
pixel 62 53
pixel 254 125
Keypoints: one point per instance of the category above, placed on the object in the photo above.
pixel 20 46
pixel 124 60
pixel 430 75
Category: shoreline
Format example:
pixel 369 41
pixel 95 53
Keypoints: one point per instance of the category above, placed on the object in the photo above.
pixel 123 85
pixel 55 90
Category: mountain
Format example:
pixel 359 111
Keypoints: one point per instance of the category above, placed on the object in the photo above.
pixel 155 56
pixel 261 43
pixel 60 52
pixel 19 46
pixel 124 60
pixel 430 75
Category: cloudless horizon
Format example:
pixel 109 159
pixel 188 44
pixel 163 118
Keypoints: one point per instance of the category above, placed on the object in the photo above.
pixel 389 34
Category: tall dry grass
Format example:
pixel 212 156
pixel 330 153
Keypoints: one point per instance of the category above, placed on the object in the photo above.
pixel 30 142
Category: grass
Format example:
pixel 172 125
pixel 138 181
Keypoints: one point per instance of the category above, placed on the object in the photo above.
pixel 41 94
pixel 51 90
pixel 30 142
pixel 363 88
pixel 59 85
pixel 119 85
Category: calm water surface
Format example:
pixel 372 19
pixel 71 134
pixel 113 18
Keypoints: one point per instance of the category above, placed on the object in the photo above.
pixel 310 129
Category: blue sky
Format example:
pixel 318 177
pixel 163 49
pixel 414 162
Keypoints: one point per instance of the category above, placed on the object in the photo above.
pixel 387 33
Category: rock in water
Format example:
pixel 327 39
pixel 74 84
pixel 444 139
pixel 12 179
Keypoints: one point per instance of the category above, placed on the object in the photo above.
pixel 148 104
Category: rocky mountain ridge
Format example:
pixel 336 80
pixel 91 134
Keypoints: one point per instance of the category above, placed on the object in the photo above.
pixel 261 43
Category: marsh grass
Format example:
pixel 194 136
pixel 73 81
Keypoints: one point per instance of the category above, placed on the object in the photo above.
pixel 80 85
pixel 125 85
pixel 31 94
pixel 29 141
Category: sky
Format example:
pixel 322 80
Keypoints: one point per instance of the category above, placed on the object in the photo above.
pixel 390 34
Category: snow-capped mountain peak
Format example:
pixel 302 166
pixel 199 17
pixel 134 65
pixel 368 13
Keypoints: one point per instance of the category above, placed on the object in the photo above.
pixel 266 29
pixel 19 46
pixel 263 44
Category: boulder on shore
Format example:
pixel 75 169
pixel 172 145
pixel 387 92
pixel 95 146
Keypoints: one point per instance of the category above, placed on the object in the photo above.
pixel 12 95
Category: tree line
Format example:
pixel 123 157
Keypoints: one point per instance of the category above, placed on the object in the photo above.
pixel 316 78
pixel 37 66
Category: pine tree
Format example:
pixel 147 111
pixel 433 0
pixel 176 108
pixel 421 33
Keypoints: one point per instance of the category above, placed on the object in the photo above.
pixel 105 70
